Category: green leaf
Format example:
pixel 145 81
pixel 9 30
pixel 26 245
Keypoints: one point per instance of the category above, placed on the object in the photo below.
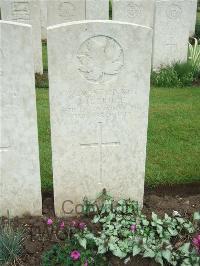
pixel 154 217
pixel 158 258
pixel 159 229
pixel 118 253
pixel 173 232
pixel 101 249
pixel 145 222
pixel 196 216
pixel 180 220
pixel 149 253
pixel 96 219
pixel 186 262
pixel 167 255
pixel 136 250
pixel 83 242
pixel 185 248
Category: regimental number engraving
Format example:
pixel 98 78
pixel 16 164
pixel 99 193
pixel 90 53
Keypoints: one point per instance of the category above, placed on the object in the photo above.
pixel 100 144
pixel 101 59
pixel 66 10
pixel 21 11
pixel 134 10
pixel 174 12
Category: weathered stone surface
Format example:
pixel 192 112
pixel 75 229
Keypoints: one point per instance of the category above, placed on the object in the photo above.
pixel 134 11
pixel 97 9
pixel 43 17
pixel 61 11
pixel 28 12
pixel 192 14
pixel 171 32
pixel 99 96
pixel 20 189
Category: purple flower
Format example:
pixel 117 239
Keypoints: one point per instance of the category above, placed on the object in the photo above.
pixel 75 255
pixel 62 225
pixel 82 225
pixel 133 228
pixel 196 242
pixel 49 221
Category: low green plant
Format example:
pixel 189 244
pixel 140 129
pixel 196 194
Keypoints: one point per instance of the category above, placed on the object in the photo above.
pixel 72 253
pixel 194 55
pixel 165 77
pixel 11 244
pixel 126 231
pixel 185 72
pixel 179 74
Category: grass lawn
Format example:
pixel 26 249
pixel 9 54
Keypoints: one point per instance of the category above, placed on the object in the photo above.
pixel 198 17
pixel 173 150
pixel 44 139
pixel 44 56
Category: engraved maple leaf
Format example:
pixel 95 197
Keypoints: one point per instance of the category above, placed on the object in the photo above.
pixel 99 58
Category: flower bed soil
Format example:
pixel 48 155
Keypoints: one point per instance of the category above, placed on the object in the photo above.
pixel 164 199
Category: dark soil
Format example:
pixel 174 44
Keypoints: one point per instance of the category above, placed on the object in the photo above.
pixel 41 81
pixel 164 199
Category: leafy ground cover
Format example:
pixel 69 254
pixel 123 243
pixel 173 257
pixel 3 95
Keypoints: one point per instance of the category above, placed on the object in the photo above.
pixel 48 238
pixel 173 148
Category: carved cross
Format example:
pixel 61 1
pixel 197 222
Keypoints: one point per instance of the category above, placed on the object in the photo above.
pixel 4 148
pixel 100 144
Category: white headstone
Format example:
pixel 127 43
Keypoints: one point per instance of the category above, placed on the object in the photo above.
pixel 171 32
pixel 134 11
pixel 20 187
pixel 28 12
pixel 61 11
pixel 99 75
pixel 192 15
pixel 43 14
pixel 97 9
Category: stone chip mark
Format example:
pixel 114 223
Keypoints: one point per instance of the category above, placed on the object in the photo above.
pixel 100 59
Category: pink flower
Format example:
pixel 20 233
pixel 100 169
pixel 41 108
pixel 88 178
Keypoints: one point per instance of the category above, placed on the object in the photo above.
pixel 133 228
pixel 75 255
pixel 82 225
pixel 49 221
pixel 196 242
pixel 62 225
pixel 85 264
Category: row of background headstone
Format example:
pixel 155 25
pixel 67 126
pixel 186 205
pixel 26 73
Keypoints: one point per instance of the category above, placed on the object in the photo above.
pixel 171 29
pixel 134 11
pixel 60 11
